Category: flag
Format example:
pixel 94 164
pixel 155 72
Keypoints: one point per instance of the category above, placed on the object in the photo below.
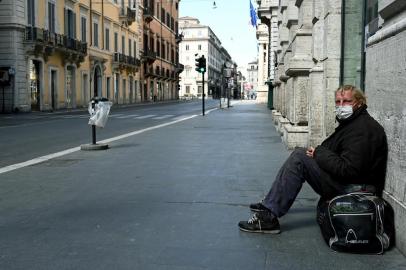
pixel 253 15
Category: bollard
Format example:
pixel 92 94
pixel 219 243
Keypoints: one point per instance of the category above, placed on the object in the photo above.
pixel 94 145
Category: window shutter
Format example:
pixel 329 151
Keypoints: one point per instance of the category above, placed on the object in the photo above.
pixel 74 24
pixel 66 27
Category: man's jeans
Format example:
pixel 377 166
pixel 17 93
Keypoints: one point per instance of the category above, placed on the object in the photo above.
pixel 297 168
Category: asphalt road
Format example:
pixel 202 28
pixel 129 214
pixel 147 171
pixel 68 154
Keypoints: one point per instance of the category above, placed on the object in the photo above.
pixel 27 136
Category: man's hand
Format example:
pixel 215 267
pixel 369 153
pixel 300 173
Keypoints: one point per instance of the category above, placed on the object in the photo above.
pixel 310 151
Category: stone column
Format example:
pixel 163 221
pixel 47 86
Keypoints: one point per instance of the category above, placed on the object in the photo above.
pixel 263 43
pixel 331 59
pixel 317 83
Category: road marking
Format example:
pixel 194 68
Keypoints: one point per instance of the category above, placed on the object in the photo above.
pixel 163 116
pixel 75 149
pixel 145 116
pixel 37 160
pixel 127 116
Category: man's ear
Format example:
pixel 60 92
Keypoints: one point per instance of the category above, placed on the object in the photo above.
pixel 356 105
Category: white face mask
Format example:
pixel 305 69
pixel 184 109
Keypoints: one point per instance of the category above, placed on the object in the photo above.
pixel 343 112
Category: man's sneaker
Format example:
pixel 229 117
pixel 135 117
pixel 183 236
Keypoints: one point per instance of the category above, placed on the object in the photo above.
pixel 258 207
pixel 261 222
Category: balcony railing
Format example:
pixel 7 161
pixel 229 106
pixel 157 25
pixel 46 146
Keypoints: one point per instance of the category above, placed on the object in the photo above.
pixel 49 40
pixel 178 38
pixel 127 15
pixel 179 68
pixel 149 55
pixel 148 14
pixel 126 61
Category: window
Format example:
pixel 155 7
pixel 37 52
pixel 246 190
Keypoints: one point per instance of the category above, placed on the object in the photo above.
pixel 51 17
pixel 83 29
pixel 123 44
pixel 135 49
pixel 70 23
pixel 129 47
pixel 31 12
pixel 199 47
pixel 115 41
pixel 96 34
pixel 187 47
pixel 187 89
pixel 107 38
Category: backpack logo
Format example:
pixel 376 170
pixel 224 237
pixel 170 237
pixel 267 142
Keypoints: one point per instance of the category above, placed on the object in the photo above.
pixel 351 238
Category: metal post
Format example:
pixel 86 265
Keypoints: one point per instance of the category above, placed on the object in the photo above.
pixel 93 126
pixel 2 110
pixel 203 93
pixel 228 96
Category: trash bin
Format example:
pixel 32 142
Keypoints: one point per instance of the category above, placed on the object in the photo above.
pixel 99 108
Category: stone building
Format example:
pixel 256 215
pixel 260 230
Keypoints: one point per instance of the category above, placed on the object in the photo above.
pixel 160 66
pixel 200 40
pixel 267 36
pixel 252 79
pixel 324 44
pixel 58 54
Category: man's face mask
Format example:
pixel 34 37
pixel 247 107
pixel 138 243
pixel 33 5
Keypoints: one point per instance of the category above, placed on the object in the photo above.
pixel 343 112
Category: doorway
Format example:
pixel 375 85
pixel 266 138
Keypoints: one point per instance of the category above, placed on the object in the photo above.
pixel 70 86
pixel 54 90
pixel 97 79
pixel 35 84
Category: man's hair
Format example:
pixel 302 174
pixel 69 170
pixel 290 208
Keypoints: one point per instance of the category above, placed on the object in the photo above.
pixel 357 94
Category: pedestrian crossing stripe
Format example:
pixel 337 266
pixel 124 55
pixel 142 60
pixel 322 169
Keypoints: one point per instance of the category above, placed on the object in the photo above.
pixel 145 116
pixel 163 116
pixel 126 116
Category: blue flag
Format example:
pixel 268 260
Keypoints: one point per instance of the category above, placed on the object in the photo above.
pixel 253 15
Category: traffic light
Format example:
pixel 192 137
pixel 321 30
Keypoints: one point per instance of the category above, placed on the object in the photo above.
pixel 200 64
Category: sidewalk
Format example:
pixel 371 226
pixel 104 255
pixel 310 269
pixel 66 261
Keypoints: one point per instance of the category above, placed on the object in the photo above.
pixel 168 198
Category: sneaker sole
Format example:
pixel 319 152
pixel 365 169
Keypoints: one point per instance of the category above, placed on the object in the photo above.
pixel 257 210
pixel 261 231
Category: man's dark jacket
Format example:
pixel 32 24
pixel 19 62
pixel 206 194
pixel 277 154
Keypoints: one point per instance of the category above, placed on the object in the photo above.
pixel 356 153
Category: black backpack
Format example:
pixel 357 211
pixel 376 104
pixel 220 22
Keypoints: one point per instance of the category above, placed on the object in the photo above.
pixel 356 223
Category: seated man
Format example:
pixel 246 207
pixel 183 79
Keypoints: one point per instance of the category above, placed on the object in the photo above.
pixel 356 153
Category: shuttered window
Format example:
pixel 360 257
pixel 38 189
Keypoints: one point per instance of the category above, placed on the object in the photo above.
pixel 51 17
pixel 96 34
pixel 83 29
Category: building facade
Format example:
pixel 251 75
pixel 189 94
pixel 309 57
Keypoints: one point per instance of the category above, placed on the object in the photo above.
pixel 251 86
pixel 61 53
pixel 200 40
pixel 267 36
pixel 160 66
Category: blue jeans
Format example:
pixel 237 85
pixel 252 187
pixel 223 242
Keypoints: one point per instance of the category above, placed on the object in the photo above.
pixel 297 169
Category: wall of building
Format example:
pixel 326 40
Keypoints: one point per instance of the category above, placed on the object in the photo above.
pixel 385 85
pixel 12 18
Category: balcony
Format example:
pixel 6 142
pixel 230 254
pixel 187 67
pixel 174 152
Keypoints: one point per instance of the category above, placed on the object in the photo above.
pixel 42 42
pixel 148 14
pixel 179 68
pixel 123 61
pixel 149 56
pixel 178 38
pixel 127 15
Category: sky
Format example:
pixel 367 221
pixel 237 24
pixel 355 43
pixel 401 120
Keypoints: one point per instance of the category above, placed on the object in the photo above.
pixel 229 22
